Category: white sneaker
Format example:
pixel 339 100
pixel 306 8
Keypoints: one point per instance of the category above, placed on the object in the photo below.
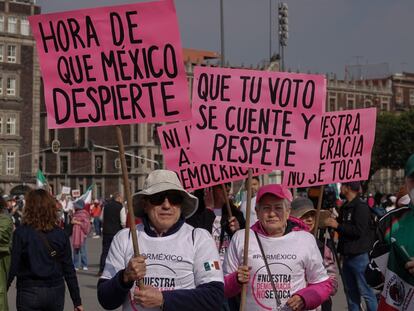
pixel 96 237
pixel 85 268
pixel 77 269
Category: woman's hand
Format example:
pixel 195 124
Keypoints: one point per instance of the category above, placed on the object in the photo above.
pixel 243 274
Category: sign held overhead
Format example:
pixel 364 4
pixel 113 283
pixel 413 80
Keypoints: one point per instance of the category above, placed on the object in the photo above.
pixel 112 65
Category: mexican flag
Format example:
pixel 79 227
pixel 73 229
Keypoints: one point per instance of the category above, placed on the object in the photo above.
pixel 398 292
pixel 41 181
pixel 87 196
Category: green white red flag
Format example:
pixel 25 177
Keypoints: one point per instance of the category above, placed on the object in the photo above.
pixel 41 181
pixel 398 292
pixel 87 196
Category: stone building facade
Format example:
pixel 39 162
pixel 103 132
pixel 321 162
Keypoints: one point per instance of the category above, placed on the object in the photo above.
pixel 19 96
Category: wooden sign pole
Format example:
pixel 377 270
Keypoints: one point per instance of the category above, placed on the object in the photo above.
pixel 127 191
pixel 318 211
pixel 246 236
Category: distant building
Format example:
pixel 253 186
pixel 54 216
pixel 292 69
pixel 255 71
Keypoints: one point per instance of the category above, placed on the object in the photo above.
pixel 392 93
pixel 19 96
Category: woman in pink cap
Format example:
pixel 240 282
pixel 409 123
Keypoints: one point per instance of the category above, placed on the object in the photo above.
pixel 285 269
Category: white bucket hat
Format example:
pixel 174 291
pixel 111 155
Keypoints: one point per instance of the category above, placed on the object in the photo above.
pixel 160 181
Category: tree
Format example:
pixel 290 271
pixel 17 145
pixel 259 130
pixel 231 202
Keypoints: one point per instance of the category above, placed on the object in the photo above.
pixel 394 141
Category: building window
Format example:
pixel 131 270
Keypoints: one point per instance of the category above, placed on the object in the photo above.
pixel 41 163
pixel 12 24
pixel 11 163
pixel 24 26
pixel 368 103
pixel 98 164
pixel 412 97
pixel 158 158
pixel 399 96
pixel 1 125
pixel 11 126
pixel 128 161
pixel 11 53
pixel 332 104
pixel 64 164
pixel 81 186
pixel 149 156
pixel 1 86
pixel 350 104
pixel 1 23
pixel 149 133
pixel 1 52
pixel 11 86
pixel 99 190
pixel 1 162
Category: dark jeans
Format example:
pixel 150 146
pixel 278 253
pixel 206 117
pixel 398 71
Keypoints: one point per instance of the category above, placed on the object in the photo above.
pixel 106 244
pixel 41 298
pixel 354 277
pixel 97 225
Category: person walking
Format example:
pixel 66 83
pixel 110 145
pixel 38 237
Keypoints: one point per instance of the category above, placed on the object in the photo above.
pixel 81 227
pixel 6 230
pixel 41 258
pixel 356 237
pixel 113 220
pixel 96 215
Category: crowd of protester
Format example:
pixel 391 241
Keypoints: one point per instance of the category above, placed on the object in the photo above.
pixel 43 242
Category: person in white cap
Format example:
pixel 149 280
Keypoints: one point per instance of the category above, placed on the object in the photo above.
pixel 179 265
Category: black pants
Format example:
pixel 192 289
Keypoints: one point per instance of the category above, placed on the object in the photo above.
pixel 41 298
pixel 106 244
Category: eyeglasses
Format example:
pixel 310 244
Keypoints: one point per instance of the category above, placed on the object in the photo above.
pixel 174 197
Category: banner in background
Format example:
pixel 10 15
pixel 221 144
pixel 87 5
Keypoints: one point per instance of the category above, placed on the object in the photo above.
pixel 346 142
pixel 175 143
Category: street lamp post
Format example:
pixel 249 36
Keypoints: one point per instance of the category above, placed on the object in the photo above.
pixel 222 58
pixel 283 32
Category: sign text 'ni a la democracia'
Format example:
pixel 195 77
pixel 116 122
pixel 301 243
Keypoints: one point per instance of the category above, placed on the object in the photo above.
pixel 112 65
pixel 175 143
pixel 347 138
pixel 257 119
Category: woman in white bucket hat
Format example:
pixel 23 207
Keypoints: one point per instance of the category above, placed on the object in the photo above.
pixel 179 265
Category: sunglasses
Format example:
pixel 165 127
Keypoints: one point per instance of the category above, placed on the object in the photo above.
pixel 174 197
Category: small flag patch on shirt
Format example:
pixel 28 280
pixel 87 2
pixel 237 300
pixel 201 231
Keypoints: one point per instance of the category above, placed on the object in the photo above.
pixel 211 265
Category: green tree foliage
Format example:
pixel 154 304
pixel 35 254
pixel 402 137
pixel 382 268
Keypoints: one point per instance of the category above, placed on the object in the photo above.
pixel 394 140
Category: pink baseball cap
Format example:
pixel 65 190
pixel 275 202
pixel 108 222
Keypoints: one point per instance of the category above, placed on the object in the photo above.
pixel 275 189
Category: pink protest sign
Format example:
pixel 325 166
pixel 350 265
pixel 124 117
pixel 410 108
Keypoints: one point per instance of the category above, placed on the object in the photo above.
pixel 175 143
pixel 347 138
pixel 112 65
pixel 258 119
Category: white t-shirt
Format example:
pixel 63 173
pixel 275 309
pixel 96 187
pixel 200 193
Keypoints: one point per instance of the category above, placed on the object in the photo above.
pixel 173 262
pixel 216 235
pixel 253 215
pixel 294 261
